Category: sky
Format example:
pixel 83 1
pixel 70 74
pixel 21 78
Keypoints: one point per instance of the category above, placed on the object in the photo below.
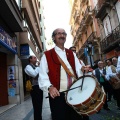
pixel 57 15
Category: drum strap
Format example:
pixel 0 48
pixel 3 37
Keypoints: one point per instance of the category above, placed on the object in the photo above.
pixel 66 68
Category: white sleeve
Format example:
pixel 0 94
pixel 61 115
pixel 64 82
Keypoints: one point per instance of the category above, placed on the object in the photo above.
pixel 31 72
pixel 93 72
pixel 109 73
pixel 78 66
pixel 43 80
pixel 118 65
pixel 82 63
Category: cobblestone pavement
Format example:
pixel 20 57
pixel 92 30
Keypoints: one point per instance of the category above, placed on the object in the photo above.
pixel 24 111
pixel 113 114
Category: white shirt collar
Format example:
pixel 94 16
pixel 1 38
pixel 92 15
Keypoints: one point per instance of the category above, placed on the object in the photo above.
pixel 59 49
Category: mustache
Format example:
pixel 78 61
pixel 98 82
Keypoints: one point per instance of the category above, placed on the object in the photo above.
pixel 62 38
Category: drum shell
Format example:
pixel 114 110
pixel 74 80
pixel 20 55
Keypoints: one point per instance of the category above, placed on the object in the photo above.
pixel 94 103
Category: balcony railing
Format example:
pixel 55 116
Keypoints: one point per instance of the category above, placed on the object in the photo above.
pixel 83 1
pixel 78 31
pixel 88 14
pixel 82 25
pixel 92 36
pixel 76 15
pixel 111 40
pixel 88 9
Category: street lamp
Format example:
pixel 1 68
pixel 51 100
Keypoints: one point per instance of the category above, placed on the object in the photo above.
pixel 89 51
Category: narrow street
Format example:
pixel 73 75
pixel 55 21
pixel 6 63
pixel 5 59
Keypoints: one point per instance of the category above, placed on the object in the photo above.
pixel 24 111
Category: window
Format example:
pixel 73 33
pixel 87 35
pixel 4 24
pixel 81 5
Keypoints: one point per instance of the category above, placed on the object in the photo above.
pixel 107 25
pixel 118 9
pixel 18 3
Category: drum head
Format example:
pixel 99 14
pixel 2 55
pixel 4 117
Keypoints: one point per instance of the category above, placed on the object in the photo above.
pixel 78 96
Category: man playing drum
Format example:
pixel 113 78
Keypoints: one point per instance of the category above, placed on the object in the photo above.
pixel 54 78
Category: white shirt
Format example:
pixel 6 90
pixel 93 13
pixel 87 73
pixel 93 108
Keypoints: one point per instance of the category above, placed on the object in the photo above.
pixel 110 73
pixel 31 72
pixel 43 80
pixel 118 65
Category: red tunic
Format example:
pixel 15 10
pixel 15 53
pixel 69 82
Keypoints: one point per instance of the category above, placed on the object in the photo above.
pixel 54 66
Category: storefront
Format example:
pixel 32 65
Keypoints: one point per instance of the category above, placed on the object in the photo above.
pixel 8 76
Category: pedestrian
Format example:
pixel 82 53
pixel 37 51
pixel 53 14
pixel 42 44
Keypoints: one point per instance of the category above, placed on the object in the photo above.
pixel 109 63
pixel 110 89
pixel 32 70
pixel 117 50
pixel 100 74
pixel 55 79
pixel 73 48
pixel 117 92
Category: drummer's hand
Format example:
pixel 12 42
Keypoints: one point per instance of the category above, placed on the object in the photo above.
pixel 53 92
pixel 85 68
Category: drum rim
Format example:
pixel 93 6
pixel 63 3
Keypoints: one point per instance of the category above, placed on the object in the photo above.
pixel 89 96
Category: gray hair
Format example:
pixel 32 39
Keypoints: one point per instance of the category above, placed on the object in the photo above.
pixel 100 62
pixel 114 58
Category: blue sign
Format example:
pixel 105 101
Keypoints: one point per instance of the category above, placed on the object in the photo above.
pixel 11 92
pixel 24 50
pixel 7 41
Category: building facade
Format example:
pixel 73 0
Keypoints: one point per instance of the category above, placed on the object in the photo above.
pixel 107 13
pixel 20 37
pixel 89 23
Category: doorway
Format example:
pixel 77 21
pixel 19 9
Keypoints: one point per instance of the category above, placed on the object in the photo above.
pixel 3 80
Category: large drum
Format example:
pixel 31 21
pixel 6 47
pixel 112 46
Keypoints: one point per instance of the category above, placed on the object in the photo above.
pixel 90 99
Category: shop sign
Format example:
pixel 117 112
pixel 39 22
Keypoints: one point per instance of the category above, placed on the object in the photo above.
pixel 7 41
pixel 24 50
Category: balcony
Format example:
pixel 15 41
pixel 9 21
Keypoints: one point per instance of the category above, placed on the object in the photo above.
pixel 78 33
pixel 76 16
pixel 83 1
pixel 81 51
pixel 74 40
pixel 92 37
pixel 82 25
pixel 11 15
pixel 111 41
pixel 100 9
pixel 88 14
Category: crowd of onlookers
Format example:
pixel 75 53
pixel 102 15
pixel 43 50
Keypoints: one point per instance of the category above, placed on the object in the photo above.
pixel 108 77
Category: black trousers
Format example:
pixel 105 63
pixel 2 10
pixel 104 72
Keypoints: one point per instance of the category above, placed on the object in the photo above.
pixel 117 95
pixel 60 110
pixel 37 100
pixel 105 86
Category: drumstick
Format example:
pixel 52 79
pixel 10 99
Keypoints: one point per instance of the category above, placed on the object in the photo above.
pixel 67 90
pixel 83 79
